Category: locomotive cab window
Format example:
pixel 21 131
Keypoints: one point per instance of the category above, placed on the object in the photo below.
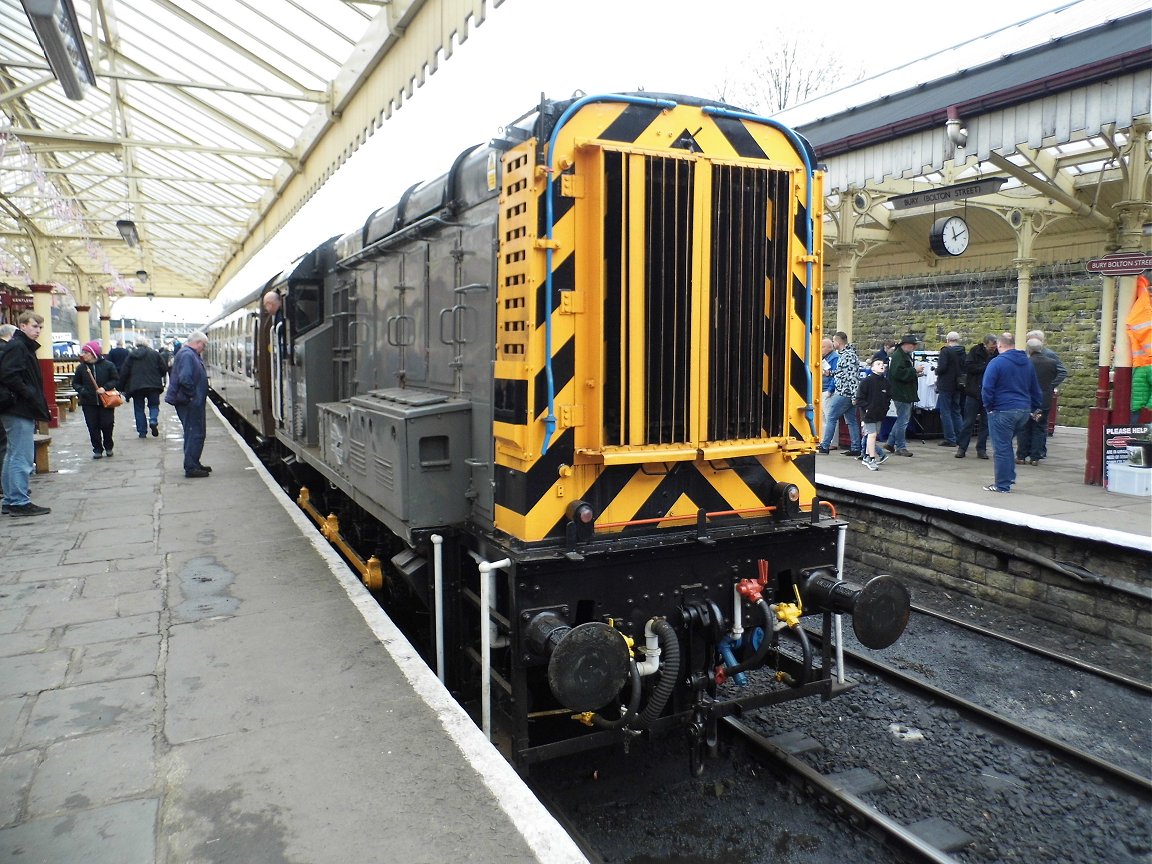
pixel 304 307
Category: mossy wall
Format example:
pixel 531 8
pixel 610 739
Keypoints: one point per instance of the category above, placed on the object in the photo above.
pixel 1065 304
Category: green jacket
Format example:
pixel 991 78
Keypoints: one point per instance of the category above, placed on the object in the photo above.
pixel 902 377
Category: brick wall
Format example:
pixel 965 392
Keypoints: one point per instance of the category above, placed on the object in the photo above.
pixel 1064 303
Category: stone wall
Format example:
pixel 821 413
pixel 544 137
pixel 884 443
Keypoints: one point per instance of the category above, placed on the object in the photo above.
pixel 1065 304
pixel 925 547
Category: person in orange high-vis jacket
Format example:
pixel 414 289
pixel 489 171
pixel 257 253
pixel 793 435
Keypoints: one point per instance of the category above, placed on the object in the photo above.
pixel 1140 341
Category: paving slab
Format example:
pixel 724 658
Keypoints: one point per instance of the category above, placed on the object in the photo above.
pixel 86 708
pixel 93 770
pixel 123 833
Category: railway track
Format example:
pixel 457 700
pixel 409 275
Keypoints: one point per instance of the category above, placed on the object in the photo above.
pixel 841 794
pixel 794 752
pixel 1122 777
pixel 1058 656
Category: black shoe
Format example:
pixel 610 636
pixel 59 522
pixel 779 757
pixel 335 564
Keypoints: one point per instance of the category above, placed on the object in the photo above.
pixel 155 431
pixel 890 448
pixel 196 472
pixel 3 508
pixel 946 443
pixel 959 454
pixel 207 468
pixel 822 451
pixel 108 453
pixel 981 455
pixel 28 509
pixel 855 453
pixel 97 455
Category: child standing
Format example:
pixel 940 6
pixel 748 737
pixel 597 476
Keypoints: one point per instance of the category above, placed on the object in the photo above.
pixel 874 397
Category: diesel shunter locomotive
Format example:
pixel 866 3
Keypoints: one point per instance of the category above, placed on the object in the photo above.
pixel 565 392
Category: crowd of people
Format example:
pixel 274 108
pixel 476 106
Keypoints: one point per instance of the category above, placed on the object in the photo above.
pixel 101 383
pixel 993 392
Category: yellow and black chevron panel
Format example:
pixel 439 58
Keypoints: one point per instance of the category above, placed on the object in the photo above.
pixel 671 245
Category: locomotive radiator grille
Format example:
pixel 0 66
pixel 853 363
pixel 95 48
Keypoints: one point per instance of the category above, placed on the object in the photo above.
pixel 749 206
pixel 649 250
pixel 660 252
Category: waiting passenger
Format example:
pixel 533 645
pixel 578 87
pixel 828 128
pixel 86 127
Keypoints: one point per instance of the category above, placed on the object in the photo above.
pixel 94 375
pixel 188 393
pixel 25 404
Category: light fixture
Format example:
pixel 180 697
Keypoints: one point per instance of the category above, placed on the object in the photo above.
pixel 127 229
pixel 59 33
pixel 142 275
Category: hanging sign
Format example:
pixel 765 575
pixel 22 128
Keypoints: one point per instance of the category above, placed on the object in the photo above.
pixel 946 194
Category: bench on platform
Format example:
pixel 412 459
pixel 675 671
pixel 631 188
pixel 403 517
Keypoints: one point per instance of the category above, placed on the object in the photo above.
pixel 41 442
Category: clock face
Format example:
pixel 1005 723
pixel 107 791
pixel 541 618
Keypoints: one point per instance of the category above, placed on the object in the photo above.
pixel 950 236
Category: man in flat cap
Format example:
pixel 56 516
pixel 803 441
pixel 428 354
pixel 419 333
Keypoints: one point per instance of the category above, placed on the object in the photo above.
pixel 902 375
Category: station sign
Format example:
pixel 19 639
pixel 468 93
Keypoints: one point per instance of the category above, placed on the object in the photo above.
pixel 1116 440
pixel 15 302
pixel 946 194
pixel 1120 264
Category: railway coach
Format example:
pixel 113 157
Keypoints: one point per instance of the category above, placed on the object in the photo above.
pixel 566 392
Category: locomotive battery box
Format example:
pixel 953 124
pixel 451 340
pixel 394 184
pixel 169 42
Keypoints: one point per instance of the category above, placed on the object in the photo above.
pixel 406 450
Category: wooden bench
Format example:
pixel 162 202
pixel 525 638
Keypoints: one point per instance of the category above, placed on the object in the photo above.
pixel 62 406
pixel 71 395
pixel 41 442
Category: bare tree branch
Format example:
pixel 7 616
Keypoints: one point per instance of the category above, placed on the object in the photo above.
pixel 785 69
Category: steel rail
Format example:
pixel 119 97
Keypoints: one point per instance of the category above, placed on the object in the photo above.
pixel 898 835
pixel 1099 671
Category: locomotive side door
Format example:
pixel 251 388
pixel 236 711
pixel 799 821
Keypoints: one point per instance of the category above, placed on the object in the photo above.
pixel 402 290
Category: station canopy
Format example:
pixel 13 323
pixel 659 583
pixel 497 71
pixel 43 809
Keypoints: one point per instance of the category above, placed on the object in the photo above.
pixel 153 146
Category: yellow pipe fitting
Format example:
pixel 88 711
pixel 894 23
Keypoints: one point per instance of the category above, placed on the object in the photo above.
pixel 584 717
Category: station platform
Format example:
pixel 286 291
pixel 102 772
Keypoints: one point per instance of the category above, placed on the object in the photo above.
pixel 189 674
pixel 1050 496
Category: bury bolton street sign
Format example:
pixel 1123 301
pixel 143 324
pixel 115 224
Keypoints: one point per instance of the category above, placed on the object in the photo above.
pixel 946 194
pixel 1120 264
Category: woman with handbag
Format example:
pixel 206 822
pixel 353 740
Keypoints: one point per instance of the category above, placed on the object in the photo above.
pixel 95 385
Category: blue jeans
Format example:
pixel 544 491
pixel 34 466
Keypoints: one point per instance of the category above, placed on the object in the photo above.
pixel 948 404
pixel 974 417
pixel 195 426
pixel 900 427
pixel 841 406
pixel 19 460
pixel 1003 427
pixel 152 397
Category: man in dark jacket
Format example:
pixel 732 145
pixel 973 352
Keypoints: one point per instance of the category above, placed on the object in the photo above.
pixel 1011 395
pixel 975 418
pixel 118 355
pixel 1030 446
pixel 142 379
pixel 188 393
pixel 949 368
pixel 20 375
pixel 902 377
